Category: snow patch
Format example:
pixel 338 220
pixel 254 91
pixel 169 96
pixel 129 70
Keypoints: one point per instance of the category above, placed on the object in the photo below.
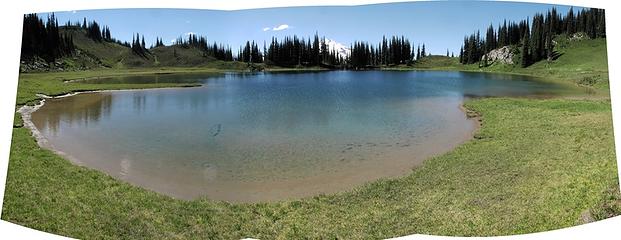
pixel 340 48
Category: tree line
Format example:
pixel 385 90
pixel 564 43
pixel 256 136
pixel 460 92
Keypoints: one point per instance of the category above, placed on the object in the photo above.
pixel 393 51
pixel 94 31
pixel 215 50
pixel 250 53
pixel 139 46
pixel 534 38
pixel 296 51
pixel 43 39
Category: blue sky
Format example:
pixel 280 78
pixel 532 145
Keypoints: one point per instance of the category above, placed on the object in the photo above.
pixel 440 25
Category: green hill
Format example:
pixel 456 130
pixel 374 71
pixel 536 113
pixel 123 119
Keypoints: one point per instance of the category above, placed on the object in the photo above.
pixel 437 61
pixel 571 65
pixel 584 61
pixel 92 54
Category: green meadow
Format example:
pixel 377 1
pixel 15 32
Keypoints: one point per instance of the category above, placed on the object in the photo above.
pixel 534 165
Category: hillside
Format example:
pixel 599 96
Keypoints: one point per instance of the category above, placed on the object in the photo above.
pixel 568 67
pixel 437 61
pixel 91 54
pixel 106 54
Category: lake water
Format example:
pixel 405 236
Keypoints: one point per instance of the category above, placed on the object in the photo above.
pixel 266 137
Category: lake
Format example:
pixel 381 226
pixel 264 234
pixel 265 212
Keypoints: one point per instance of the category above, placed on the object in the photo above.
pixel 271 136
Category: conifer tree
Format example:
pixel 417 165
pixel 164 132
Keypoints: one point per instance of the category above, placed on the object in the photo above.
pixel 418 53
pixel 540 40
pixel 570 22
pixel 524 50
pixel 43 39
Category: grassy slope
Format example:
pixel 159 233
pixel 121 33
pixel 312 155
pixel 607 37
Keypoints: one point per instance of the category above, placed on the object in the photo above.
pixel 578 60
pixel 535 165
pixel 109 57
pixel 177 55
pixel 112 55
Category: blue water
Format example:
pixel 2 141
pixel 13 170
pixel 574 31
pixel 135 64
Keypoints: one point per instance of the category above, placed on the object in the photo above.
pixel 262 137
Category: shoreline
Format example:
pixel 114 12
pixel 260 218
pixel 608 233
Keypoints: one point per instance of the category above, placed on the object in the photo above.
pixel 26 112
pixel 533 163
pixel 536 77
pixel 431 190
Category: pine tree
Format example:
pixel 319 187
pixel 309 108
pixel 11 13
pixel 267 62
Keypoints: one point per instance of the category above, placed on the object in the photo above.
pixel 570 22
pixel 524 50
pixel 418 53
pixel 550 26
pixel 490 38
pixel 601 23
pixel 93 31
pixel 43 39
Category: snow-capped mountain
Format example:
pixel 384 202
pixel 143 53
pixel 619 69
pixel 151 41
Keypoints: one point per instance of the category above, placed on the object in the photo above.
pixel 341 49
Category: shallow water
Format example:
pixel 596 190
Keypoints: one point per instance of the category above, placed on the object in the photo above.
pixel 265 137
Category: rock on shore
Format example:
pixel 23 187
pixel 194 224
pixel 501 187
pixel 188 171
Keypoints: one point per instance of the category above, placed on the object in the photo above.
pixel 502 55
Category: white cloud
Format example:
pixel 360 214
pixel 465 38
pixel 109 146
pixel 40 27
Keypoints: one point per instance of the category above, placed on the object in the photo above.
pixel 281 27
pixel 74 11
pixel 190 33
pixel 277 28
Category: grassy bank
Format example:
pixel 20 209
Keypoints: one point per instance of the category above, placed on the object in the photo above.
pixel 56 83
pixel 535 165
pixel 31 85
pixel 59 83
pixel 583 62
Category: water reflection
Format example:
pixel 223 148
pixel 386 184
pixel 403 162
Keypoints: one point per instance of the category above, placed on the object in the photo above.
pixel 125 167
pixel 272 136
pixel 285 102
pixel 81 110
pixel 153 78
pixel 139 101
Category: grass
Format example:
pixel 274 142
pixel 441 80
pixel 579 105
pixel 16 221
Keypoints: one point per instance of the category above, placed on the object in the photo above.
pixel 534 165
pixel 54 83
pixel 582 62
pixel 91 54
